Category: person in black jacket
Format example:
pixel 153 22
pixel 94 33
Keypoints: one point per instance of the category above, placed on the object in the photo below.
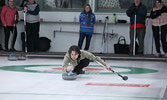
pixel 159 26
pixel 140 11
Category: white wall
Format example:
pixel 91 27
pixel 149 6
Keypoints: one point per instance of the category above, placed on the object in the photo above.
pixel 65 21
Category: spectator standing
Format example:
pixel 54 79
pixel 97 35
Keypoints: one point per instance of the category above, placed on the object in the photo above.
pixel 32 24
pixel 159 25
pixel 87 21
pixel 9 17
pixel 140 11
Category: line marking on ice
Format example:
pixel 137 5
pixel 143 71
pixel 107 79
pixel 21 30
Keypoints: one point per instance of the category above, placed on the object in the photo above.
pixel 119 85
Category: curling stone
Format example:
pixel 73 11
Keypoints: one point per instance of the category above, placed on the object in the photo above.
pixel 69 76
pixel 12 57
pixel 21 57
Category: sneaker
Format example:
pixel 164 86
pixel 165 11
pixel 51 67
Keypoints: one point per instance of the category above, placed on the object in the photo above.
pixel 130 54
pixel 82 72
pixel 12 49
pixel 6 49
pixel 158 55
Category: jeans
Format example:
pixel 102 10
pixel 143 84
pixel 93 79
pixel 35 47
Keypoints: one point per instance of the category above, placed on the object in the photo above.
pixel 81 39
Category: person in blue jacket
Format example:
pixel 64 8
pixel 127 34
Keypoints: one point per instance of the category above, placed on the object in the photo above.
pixel 140 11
pixel 87 21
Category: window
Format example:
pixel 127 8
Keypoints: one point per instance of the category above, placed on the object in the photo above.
pixel 67 5
pixel 121 5
pixel 64 3
pixel 57 5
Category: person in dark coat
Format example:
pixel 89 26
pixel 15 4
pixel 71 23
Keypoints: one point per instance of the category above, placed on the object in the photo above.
pixel 140 11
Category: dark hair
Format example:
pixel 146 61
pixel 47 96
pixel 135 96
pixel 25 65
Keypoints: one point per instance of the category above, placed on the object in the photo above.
pixel 74 48
pixel 160 1
pixel 89 13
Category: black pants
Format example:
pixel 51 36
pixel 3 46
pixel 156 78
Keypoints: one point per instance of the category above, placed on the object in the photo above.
pixel 140 35
pixel 32 35
pixel 7 31
pixel 163 38
pixel 83 63
pixel 81 39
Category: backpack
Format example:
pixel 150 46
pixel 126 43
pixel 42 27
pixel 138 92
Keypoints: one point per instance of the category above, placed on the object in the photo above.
pixel 43 44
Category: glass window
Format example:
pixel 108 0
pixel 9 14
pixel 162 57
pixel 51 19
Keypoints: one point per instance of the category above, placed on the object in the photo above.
pixel 56 5
pixel 67 5
pixel 165 2
pixel 121 5
pixel 64 3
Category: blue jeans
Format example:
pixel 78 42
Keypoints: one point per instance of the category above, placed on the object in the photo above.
pixel 81 39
